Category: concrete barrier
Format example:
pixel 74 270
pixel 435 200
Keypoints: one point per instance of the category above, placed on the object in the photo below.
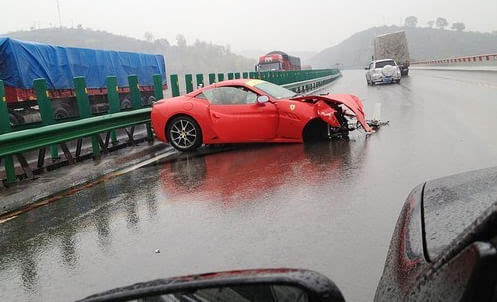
pixel 487 62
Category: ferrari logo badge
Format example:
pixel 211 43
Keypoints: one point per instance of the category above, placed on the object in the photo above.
pixel 292 107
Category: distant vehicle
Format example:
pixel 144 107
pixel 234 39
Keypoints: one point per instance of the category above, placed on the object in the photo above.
pixel 278 61
pixel 383 71
pixel 22 62
pixel 444 248
pixel 244 111
pixel 393 46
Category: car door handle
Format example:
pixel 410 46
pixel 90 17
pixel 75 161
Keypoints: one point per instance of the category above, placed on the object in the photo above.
pixel 215 116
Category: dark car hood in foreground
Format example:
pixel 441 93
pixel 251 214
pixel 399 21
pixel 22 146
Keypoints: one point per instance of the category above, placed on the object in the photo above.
pixel 453 204
pixel 440 220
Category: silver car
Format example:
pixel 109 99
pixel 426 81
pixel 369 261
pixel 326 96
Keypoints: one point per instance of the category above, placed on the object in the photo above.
pixel 382 71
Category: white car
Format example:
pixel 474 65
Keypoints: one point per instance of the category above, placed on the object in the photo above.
pixel 382 71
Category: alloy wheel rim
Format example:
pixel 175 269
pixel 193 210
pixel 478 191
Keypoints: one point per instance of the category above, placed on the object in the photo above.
pixel 183 134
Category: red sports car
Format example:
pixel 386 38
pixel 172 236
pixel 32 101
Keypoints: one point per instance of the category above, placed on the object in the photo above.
pixel 241 111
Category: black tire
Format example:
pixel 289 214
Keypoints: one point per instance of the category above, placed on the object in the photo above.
pixel 126 103
pixel 60 113
pixel 184 133
pixel 13 120
pixel 398 81
pixel 151 99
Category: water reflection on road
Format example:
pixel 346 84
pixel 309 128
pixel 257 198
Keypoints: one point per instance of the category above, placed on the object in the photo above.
pixel 253 172
pixel 55 241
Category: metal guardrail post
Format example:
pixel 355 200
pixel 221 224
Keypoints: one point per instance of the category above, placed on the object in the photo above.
pixel 44 104
pixel 45 108
pixel 82 97
pixel 237 75
pixel 112 94
pixel 85 109
pixel 174 85
pixel 245 75
pixel 134 89
pixel 189 83
pixel 136 101
pixel 158 92
pixel 200 80
pixel 8 161
pixel 4 111
pixel 220 77
pixel 212 78
pixel 114 104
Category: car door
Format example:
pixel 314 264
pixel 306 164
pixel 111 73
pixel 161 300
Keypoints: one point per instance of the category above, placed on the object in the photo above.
pixel 237 117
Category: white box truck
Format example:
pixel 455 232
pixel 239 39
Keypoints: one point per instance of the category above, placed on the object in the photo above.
pixel 393 46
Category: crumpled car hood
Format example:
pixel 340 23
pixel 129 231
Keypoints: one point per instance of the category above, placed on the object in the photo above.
pixel 350 101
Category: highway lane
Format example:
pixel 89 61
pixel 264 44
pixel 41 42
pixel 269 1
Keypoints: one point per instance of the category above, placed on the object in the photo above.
pixel 330 207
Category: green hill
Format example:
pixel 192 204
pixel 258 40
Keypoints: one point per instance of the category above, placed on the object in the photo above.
pixel 424 43
pixel 199 57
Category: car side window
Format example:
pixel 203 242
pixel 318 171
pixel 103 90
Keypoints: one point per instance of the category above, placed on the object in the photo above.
pixel 230 96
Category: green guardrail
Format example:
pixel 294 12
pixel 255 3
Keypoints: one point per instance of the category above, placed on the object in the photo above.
pixel 52 134
pixel 276 77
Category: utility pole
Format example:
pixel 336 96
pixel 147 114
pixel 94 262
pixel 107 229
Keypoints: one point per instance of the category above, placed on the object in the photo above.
pixel 58 9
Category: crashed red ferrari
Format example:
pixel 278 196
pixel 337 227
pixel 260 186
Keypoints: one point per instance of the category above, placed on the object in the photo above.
pixel 242 111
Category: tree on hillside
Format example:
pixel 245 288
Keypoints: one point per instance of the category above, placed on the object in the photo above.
pixel 441 22
pixel 430 23
pixel 164 43
pixel 411 21
pixel 181 41
pixel 459 26
pixel 149 37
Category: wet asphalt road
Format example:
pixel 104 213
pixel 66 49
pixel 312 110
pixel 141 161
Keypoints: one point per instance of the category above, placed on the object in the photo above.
pixel 329 207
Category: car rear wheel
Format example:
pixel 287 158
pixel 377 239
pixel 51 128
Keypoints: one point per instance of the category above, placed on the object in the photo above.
pixel 184 133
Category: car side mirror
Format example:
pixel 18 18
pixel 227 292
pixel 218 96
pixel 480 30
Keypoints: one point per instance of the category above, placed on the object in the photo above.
pixel 262 99
pixel 366 68
pixel 292 285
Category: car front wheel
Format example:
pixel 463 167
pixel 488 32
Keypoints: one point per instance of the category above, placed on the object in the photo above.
pixel 184 133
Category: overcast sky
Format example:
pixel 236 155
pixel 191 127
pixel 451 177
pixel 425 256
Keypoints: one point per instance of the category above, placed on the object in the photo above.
pixel 245 25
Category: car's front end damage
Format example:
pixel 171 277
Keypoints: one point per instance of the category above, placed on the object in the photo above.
pixel 336 115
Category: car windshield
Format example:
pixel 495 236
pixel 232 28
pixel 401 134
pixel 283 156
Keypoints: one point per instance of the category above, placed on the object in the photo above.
pixel 269 66
pixel 275 91
pixel 382 64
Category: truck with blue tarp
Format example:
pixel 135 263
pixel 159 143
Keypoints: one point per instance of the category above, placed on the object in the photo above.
pixel 22 62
